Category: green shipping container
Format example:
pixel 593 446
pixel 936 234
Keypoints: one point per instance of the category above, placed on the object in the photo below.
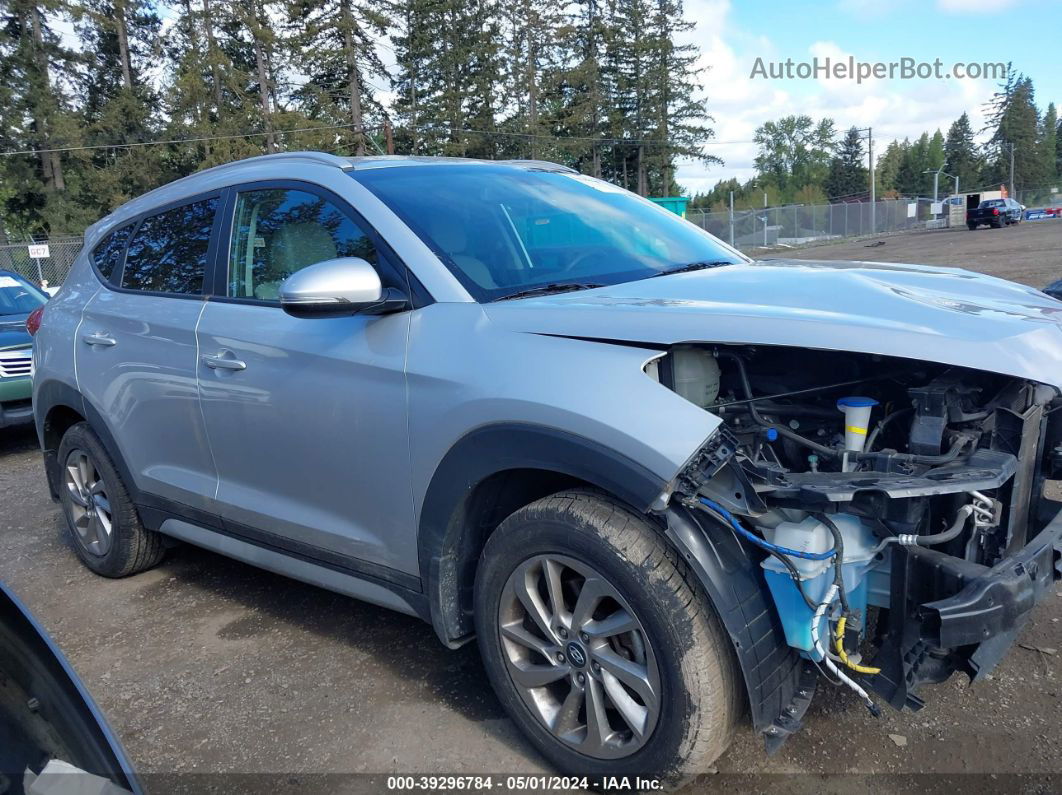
pixel 677 204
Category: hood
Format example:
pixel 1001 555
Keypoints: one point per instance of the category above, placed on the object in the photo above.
pixel 944 315
pixel 13 332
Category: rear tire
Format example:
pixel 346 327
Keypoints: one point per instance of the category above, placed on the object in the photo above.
pixel 102 521
pixel 685 692
pixel 971 227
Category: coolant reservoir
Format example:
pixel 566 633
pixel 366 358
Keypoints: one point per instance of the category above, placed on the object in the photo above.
pixel 696 373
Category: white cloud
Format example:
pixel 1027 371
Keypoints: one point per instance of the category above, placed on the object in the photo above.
pixel 895 109
pixel 976 6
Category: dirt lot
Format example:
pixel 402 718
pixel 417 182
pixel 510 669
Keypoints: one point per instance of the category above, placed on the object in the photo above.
pixel 1030 253
pixel 205 665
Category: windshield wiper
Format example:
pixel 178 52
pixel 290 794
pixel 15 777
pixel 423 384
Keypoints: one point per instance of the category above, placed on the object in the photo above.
pixel 550 289
pixel 694 266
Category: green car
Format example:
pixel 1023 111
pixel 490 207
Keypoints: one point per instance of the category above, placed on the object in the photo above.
pixel 18 299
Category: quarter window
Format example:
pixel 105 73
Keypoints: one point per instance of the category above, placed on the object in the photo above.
pixel 277 231
pixel 168 253
pixel 108 254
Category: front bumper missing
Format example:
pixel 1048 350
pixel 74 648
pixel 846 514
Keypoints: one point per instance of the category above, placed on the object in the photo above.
pixel 1000 599
pixel 970 629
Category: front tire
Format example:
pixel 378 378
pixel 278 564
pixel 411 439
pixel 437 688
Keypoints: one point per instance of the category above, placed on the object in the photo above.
pixel 103 522
pixel 601 645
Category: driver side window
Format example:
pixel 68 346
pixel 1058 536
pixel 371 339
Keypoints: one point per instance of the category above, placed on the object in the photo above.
pixel 277 231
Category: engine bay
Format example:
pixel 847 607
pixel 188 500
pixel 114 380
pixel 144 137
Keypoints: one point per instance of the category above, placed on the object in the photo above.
pixel 878 491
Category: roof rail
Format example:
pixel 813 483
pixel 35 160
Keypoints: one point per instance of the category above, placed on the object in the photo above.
pixel 322 158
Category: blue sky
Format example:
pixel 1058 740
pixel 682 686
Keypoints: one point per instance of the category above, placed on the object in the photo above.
pixel 731 34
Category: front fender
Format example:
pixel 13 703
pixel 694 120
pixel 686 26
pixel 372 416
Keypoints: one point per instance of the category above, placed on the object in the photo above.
pixel 448 539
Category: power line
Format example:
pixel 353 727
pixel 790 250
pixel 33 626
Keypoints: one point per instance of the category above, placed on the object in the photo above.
pixel 421 128
pixel 197 139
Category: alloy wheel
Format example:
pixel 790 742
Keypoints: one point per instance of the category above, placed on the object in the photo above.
pixel 90 509
pixel 579 656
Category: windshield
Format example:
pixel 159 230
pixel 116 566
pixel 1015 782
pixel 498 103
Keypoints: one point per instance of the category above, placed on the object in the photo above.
pixel 18 297
pixel 503 230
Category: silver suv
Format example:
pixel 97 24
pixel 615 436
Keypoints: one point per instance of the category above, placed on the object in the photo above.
pixel 662 485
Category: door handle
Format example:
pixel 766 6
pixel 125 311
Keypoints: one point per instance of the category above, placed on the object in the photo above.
pixel 99 338
pixel 219 362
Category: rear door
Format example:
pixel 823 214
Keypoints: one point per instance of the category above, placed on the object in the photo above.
pixel 307 416
pixel 136 350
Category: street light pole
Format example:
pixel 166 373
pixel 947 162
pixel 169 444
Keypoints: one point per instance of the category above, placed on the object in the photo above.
pixel 936 180
pixel 765 219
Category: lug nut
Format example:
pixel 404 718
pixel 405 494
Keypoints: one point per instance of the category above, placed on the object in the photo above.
pixel 560 657
pixel 580 678
pixel 584 637
pixel 595 667
pixel 562 632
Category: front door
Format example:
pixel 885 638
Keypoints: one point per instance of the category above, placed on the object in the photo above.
pixel 306 417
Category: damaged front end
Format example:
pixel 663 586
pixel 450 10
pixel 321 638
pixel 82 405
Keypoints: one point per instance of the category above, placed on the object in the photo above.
pixel 903 514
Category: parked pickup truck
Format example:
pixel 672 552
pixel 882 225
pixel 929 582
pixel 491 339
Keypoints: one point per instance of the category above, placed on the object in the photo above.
pixel 994 212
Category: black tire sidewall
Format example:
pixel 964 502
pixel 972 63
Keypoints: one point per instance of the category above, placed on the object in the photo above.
pixel 124 520
pixel 527 534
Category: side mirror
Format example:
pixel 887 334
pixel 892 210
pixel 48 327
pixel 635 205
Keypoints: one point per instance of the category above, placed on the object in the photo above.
pixel 337 287
pixel 1054 289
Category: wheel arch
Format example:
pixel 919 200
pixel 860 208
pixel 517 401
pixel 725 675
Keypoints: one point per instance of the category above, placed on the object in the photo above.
pixel 491 472
pixel 496 470
pixel 56 407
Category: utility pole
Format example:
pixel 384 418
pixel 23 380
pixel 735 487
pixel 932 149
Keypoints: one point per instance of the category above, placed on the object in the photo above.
pixel 1012 169
pixel 731 218
pixel 873 182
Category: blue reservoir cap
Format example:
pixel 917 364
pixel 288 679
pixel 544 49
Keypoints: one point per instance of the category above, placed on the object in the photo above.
pixel 771 434
pixel 856 402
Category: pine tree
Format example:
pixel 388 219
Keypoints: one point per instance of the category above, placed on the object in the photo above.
pixel 39 115
pixel 847 177
pixel 920 163
pixel 631 56
pixel 1048 144
pixel 586 87
pixel 1058 148
pixel 533 60
pixel 887 168
pixel 449 77
pixel 1014 121
pixel 679 110
pixel 960 153
pixel 908 174
pixel 120 39
pixel 414 45
pixel 336 40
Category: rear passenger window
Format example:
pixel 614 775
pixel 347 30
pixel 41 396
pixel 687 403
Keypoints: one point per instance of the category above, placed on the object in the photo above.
pixel 108 254
pixel 168 253
pixel 279 231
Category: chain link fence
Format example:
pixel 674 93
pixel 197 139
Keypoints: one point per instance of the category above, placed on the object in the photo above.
pixel 799 224
pixel 47 271
pixel 792 225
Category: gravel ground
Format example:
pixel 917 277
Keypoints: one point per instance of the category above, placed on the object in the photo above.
pixel 205 665
pixel 1030 253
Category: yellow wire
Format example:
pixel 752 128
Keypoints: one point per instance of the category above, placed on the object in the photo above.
pixel 839 645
